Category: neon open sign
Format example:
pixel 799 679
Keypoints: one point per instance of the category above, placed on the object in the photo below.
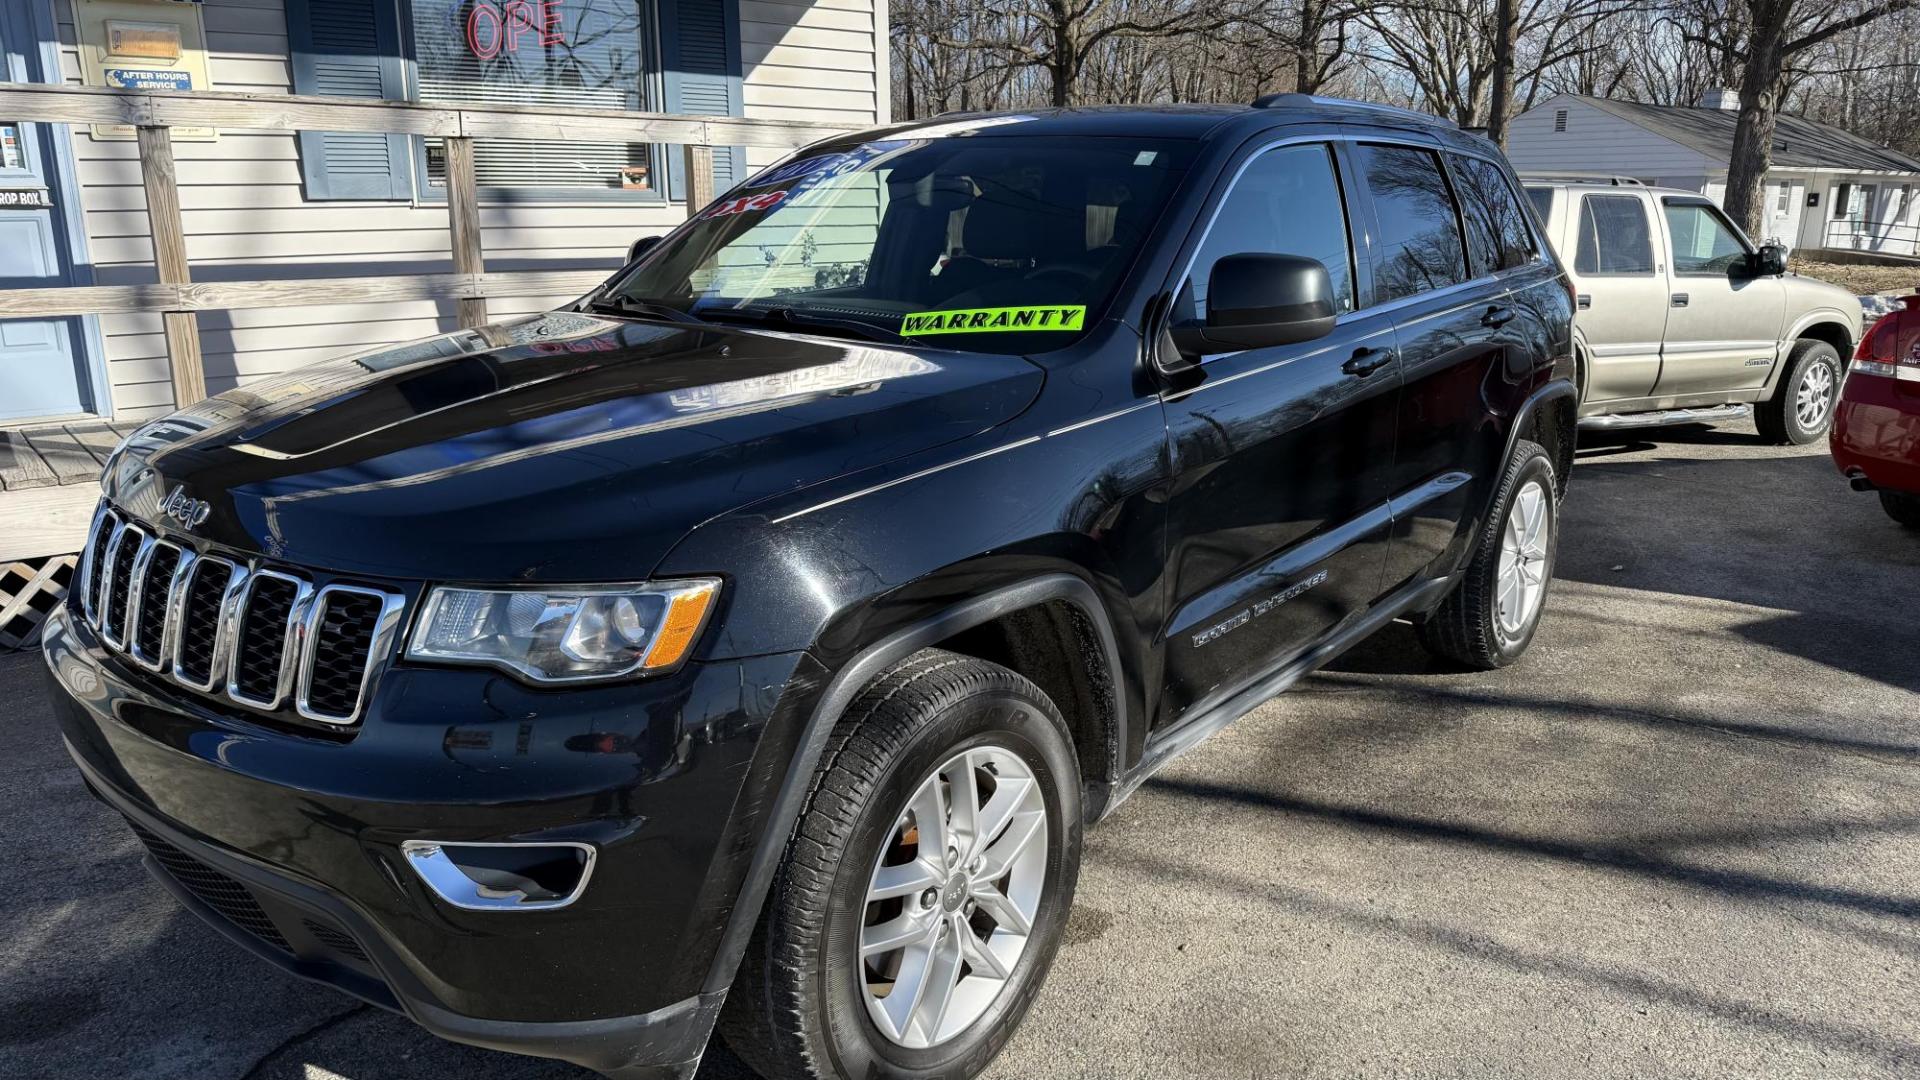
pixel 492 27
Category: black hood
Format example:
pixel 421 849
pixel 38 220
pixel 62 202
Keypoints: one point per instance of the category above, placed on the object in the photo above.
pixel 565 447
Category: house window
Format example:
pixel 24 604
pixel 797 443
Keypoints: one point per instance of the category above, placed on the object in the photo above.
pixel 587 54
pixel 674 56
pixel 1785 199
pixel 1559 120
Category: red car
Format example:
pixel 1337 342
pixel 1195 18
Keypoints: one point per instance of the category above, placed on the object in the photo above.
pixel 1876 429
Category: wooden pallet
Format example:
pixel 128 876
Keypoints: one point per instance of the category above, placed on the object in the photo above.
pixel 28 591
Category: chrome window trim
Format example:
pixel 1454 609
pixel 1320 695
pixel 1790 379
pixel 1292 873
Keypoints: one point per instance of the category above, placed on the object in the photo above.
pixel 386 626
pixel 229 599
pixel 290 645
pixel 1386 138
pixel 119 644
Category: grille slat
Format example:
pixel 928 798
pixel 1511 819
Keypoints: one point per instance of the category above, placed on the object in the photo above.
pixel 214 889
pixel 197 640
pixel 255 636
pixel 262 648
pixel 126 550
pixel 156 590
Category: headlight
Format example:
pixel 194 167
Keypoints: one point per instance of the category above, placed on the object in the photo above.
pixel 566 634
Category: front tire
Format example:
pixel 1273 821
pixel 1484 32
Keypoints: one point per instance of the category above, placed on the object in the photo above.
pixel 935 859
pixel 1801 408
pixel 1901 507
pixel 1490 617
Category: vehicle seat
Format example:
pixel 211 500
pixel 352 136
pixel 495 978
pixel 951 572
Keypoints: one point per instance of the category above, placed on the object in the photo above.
pixel 998 241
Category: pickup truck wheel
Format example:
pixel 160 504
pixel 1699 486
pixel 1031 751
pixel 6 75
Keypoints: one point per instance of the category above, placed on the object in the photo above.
pixel 1901 507
pixel 1489 618
pixel 1802 406
pixel 926 888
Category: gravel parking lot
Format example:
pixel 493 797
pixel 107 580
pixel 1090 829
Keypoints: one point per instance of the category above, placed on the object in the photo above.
pixel 1682 838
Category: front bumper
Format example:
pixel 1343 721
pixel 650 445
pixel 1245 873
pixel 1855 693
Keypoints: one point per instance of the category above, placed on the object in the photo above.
pixel 1876 431
pixel 289 841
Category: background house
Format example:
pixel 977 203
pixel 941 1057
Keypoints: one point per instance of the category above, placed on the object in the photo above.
pixel 1826 189
pixel 278 204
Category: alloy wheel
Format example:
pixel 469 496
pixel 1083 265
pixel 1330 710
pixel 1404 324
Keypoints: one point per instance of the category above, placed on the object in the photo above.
pixel 1813 399
pixel 1522 574
pixel 953 897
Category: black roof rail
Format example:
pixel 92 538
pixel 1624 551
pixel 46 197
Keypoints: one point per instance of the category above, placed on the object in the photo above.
pixel 1294 101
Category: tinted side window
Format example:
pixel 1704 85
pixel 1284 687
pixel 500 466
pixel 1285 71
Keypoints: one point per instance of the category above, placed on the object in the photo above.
pixel 1287 202
pixel 1497 234
pixel 1702 242
pixel 1542 199
pixel 1615 236
pixel 1420 240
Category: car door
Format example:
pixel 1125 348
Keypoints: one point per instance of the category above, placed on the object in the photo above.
pixel 1451 314
pixel 1622 294
pixel 1277 515
pixel 1723 323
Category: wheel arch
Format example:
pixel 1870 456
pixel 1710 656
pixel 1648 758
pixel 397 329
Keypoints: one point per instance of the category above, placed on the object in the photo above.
pixel 1828 327
pixel 1005 620
pixel 1549 417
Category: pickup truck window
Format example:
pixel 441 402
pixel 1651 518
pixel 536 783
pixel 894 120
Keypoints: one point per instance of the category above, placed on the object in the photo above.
pixel 1615 236
pixel 1703 244
pixel 854 240
pixel 1497 234
pixel 1286 202
pixel 1420 241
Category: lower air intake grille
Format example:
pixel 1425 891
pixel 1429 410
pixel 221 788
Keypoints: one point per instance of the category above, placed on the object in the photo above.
pixel 214 889
pixel 334 939
pixel 263 639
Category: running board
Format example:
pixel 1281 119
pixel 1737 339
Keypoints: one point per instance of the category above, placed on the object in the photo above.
pixel 1703 415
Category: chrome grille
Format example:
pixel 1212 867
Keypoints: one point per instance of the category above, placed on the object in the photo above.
pixel 262 637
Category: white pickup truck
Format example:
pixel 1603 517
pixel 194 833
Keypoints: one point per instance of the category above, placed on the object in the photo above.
pixel 1680 318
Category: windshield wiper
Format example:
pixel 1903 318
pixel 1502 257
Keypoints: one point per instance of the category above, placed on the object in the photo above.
pixel 797 320
pixel 629 305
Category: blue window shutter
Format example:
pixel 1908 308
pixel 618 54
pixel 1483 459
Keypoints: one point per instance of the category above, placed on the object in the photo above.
pixel 700 48
pixel 350 48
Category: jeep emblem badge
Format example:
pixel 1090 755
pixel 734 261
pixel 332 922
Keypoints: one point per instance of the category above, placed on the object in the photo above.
pixel 188 511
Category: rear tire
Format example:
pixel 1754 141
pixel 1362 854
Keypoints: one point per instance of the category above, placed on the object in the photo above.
pixel 816 986
pixel 1901 507
pixel 1801 408
pixel 1490 617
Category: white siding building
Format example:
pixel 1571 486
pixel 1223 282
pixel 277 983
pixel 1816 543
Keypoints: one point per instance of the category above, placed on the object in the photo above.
pixel 274 204
pixel 1826 189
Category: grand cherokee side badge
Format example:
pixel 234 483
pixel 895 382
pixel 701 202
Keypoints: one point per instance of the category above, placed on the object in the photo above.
pixel 186 510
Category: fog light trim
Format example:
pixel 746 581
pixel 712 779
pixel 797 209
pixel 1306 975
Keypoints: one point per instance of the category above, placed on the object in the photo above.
pixel 452 884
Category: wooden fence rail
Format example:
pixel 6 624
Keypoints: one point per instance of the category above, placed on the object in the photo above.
pixel 176 297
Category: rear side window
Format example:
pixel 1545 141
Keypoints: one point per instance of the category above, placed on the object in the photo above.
pixel 1286 203
pixel 1542 200
pixel 1615 236
pixel 1497 234
pixel 1420 244
pixel 1703 243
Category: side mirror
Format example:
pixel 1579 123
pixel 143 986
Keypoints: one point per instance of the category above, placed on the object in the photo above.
pixel 1769 261
pixel 1256 301
pixel 641 247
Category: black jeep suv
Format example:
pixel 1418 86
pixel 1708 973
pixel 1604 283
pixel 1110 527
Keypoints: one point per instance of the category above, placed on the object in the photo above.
pixel 746 645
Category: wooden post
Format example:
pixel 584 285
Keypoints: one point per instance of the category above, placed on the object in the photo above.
pixel 699 178
pixel 463 218
pixel 182 328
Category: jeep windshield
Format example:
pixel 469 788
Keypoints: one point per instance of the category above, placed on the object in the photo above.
pixel 995 244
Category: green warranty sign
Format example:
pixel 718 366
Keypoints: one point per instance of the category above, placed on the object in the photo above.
pixel 994 319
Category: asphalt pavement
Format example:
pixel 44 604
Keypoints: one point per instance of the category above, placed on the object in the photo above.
pixel 1681 838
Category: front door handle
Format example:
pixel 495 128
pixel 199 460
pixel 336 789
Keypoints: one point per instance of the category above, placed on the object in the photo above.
pixel 1584 301
pixel 1679 299
pixel 1365 362
pixel 1497 316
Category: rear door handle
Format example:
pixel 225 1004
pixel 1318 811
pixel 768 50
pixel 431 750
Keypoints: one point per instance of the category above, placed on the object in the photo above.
pixel 1584 301
pixel 1365 362
pixel 1497 316
pixel 1679 299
